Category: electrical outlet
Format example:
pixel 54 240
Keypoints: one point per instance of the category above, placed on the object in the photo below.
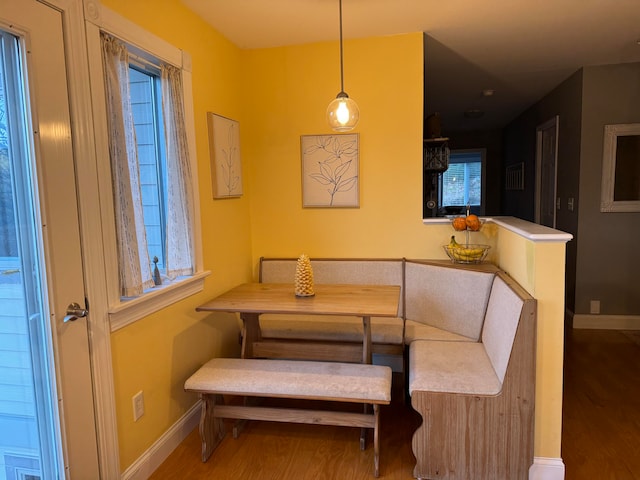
pixel 594 307
pixel 138 405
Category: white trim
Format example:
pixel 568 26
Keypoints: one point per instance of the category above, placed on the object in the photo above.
pixel 551 123
pixel 544 468
pixel 189 119
pixel 109 21
pixel 531 231
pixel 152 458
pixel 89 217
pixel 606 322
pixel 608 203
pixel 157 299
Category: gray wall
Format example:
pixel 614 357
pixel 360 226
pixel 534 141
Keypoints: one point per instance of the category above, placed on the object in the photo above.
pixel 603 259
pixel 609 248
pixel 520 146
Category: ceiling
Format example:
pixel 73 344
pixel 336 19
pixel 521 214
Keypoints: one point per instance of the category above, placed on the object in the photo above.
pixel 521 49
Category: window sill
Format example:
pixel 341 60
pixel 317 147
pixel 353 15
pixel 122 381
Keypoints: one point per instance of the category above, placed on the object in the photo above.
pixel 158 298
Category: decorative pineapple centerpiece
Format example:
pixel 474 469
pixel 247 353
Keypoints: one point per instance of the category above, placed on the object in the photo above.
pixel 304 277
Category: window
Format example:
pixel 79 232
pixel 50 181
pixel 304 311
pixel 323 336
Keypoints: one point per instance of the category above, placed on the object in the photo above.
pixel 462 183
pixel 152 203
pixel 146 107
pixel 142 97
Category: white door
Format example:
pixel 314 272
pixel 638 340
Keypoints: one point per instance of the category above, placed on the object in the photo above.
pixel 546 171
pixel 47 259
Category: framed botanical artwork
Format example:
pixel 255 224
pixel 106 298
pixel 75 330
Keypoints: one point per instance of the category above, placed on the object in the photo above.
pixel 330 176
pixel 224 149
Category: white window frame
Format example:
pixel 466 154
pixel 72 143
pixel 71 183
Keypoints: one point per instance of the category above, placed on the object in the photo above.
pixel 145 44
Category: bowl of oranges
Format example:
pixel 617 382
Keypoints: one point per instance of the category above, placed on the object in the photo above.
pixel 469 222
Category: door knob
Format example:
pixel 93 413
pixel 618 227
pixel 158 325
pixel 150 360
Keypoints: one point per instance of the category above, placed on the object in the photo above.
pixel 74 312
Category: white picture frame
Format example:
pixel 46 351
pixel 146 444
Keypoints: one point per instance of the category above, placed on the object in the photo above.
pixel 620 190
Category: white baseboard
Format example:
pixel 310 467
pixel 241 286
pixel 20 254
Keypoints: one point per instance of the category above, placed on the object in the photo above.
pixel 544 468
pixel 150 460
pixel 606 322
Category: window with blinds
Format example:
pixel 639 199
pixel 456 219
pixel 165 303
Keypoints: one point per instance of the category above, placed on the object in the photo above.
pixel 461 184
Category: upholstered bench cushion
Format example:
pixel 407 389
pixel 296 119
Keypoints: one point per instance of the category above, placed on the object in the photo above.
pixel 345 382
pixel 419 331
pixel 500 325
pixel 331 328
pixel 448 298
pixel 451 367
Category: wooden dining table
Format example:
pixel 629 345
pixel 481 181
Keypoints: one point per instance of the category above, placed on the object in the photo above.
pixel 251 300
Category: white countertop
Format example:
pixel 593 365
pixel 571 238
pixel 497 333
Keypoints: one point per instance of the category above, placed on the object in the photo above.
pixel 524 228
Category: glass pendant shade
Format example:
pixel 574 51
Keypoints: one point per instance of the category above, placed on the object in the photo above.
pixel 343 113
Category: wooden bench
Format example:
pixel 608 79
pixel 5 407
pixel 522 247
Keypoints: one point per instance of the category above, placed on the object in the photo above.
pixel 308 380
pixel 477 398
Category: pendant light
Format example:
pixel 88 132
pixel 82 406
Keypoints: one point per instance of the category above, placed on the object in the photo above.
pixel 342 113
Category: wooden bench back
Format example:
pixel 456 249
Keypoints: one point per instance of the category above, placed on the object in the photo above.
pixel 338 271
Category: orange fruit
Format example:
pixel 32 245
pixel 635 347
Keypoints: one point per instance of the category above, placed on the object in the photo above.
pixel 473 222
pixel 459 223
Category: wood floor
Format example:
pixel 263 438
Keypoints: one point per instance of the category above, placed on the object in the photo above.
pixel 600 439
pixel 601 409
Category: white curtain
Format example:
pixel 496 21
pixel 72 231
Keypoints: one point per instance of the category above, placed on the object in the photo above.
pixel 133 257
pixel 179 260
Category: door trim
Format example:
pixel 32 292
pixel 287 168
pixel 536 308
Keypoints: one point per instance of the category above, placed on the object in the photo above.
pixel 91 237
pixel 554 121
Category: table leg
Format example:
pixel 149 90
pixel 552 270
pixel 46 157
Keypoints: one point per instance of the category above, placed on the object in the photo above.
pixel 252 333
pixel 367 359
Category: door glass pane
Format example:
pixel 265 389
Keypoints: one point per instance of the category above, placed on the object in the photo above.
pixel 29 446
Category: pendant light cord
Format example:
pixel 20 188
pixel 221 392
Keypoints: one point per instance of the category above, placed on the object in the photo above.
pixel 341 63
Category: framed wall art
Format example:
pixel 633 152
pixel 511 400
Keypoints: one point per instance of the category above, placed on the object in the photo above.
pixel 620 190
pixel 224 149
pixel 330 170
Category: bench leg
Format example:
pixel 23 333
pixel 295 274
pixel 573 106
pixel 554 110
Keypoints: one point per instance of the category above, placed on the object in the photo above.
pixel 363 430
pixel 376 441
pixel 211 428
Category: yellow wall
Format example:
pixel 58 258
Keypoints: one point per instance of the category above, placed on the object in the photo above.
pixel 539 268
pixel 158 353
pixel 288 90
pixel 278 95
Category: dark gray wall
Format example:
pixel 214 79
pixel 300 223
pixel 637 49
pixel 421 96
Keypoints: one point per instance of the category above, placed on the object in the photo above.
pixel 603 259
pixel 520 146
pixel 609 247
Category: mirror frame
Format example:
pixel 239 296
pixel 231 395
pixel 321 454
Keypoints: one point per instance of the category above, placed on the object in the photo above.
pixel 611 134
